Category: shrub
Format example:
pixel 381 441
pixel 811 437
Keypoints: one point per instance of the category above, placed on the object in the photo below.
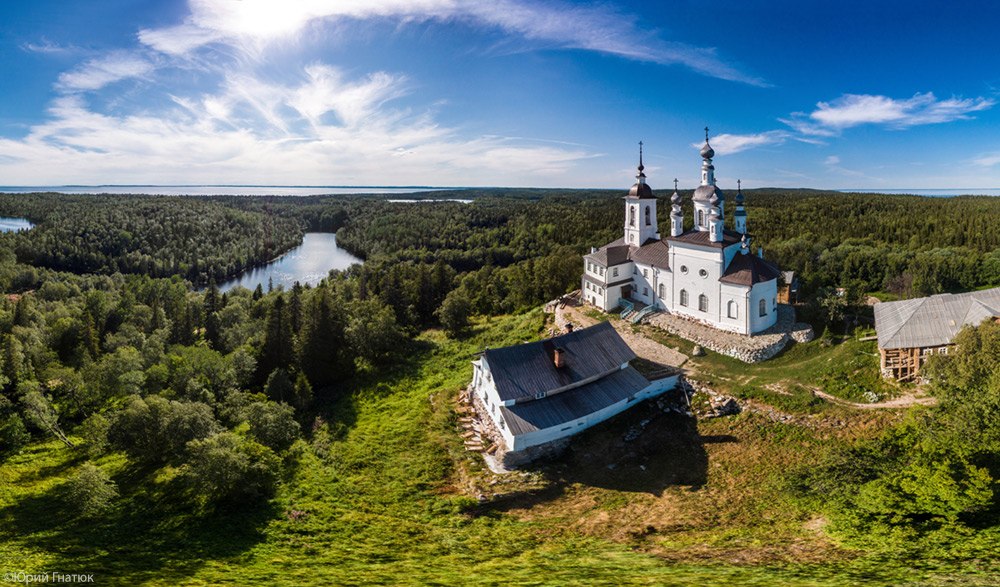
pixel 91 492
pixel 230 469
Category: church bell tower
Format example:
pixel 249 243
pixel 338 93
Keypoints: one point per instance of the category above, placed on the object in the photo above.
pixel 640 210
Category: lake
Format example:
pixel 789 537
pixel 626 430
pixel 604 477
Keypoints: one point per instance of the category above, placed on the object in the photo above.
pixel 309 263
pixel 10 224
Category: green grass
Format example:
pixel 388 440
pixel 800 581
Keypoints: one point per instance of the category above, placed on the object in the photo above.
pixel 843 366
pixel 386 496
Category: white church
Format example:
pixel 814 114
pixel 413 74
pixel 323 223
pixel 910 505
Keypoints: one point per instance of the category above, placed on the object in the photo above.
pixel 707 274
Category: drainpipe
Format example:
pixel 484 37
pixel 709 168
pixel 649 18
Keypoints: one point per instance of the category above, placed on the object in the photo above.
pixel 747 309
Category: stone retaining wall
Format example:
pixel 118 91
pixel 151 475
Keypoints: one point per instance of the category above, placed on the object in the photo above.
pixel 749 349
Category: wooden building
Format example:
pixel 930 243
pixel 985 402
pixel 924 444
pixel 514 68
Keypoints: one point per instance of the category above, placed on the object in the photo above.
pixel 911 331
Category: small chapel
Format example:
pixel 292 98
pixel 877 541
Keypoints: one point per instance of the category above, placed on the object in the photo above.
pixel 707 273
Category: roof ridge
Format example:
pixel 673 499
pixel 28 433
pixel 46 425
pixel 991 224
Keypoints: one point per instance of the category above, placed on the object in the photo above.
pixel 903 320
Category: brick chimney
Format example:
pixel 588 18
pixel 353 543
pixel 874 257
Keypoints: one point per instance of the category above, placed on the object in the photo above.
pixel 558 358
pixel 569 327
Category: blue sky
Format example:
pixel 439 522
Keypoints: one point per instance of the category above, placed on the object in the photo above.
pixel 505 92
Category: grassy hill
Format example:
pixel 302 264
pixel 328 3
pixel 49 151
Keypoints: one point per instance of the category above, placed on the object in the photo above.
pixel 383 494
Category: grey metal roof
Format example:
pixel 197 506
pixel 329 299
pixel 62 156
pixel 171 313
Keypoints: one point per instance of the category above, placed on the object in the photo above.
pixel 574 403
pixel 704 239
pixel 653 252
pixel 749 269
pixel 704 193
pixel 614 253
pixel 932 321
pixel 521 371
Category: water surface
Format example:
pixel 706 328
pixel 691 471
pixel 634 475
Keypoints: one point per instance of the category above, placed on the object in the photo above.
pixel 309 263
pixel 11 224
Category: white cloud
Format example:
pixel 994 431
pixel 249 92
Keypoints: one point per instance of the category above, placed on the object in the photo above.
pixel 593 28
pixel 850 110
pixel 727 144
pixel 97 73
pixel 988 160
pixel 832 160
pixel 256 132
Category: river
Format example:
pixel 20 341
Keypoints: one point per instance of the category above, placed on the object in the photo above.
pixel 309 263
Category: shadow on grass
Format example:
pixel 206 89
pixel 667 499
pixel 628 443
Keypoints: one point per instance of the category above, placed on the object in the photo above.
pixel 669 452
pixel 152 533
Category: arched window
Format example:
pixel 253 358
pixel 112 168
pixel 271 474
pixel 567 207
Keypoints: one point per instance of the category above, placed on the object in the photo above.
pixel 631 215
pixel 732 312
pixel 703 303
pixel 701 218
pixel 647 216
pixel 763 307
pixel 663 291
pixel 684 297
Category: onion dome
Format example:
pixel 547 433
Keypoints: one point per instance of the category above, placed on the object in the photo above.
pixel 739 192
pixel 640 190
pixel 676 198
pixel 714 200
pixel 707 152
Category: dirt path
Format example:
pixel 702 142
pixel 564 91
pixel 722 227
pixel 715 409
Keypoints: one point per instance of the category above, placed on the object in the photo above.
pixel 903 401
pixel 644 347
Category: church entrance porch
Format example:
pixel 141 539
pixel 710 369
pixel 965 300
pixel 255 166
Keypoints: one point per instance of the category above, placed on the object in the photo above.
pixel 626 292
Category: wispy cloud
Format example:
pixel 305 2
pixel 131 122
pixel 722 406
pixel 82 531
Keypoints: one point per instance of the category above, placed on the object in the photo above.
pixel 47 47
pixel 97 73
pixel 988 160
pixel 324 128
pixel 850 110
pixel 553 24
pixel 727 144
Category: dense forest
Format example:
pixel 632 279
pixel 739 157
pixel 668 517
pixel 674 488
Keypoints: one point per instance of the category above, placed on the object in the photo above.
pixel 114 339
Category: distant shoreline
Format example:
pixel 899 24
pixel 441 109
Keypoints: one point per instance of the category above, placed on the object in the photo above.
pixel 301 190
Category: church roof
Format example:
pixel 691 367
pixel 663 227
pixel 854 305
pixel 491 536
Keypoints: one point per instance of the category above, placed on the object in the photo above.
pixel 641 191
pixel 614 253
pixel 653 252
pixel 748 270
pixel 575 403
pixel 523 370
pixel 704 193
pixel 934 320
pixel 703 238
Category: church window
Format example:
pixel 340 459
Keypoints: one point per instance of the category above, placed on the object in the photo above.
pixel 703 303
pixel 663 291
pixel 647 216
pixel 645 291
pixel 703 273
pixel 631 238
pixel 684 297
pixel 732 309
pixel 635 270
pixel 701 218
pixel 645 273
pixel 684 269
pixel 631 215
pixel 763 307
pixel 614 272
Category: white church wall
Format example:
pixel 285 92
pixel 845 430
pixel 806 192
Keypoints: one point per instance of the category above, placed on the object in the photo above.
pixel 768 292
pixel 696 271
pixel 735 318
